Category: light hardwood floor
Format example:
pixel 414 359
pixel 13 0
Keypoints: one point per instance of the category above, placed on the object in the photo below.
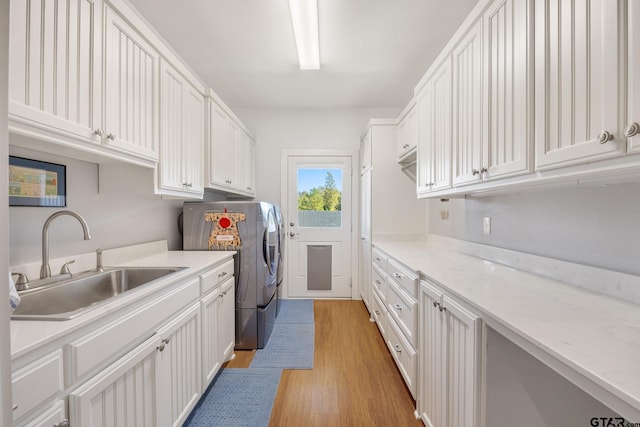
pixel 354 381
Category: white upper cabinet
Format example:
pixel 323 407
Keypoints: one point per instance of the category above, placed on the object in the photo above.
pixel 131 89
pixel 181 137
pixel 468 157
pixel 55 68
pixel 365 152
pixel 632 127
pixel 492 95
pixel 82 78
pixel 407 131
pixel 231 159
pixel 434 142
pixel 579 83
pixel 508 89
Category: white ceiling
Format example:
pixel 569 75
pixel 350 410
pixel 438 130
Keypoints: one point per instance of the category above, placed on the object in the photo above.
pixel 372 52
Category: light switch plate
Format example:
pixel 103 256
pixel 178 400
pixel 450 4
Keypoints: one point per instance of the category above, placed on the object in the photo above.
pixel 486 225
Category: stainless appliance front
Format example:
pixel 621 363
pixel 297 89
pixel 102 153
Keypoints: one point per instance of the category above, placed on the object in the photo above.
pixel 256 259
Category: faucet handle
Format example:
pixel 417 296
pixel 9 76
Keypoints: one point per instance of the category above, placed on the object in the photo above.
pixel 22 282
pixel 99 260
pixel 65 268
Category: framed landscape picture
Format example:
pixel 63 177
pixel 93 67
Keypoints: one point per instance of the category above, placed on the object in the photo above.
pixel 35 183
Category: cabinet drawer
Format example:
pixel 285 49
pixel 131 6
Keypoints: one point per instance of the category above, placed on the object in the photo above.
pixel 36 383
pixel 403 354
pixel 95 348
pixel 379 313
pixel 379 283
pixel 407 279
pixel 404 310
pixel 212 278
pixel 379 259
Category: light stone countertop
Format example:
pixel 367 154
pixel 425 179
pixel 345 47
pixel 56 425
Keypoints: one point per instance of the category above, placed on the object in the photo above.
pixel 27 335
pixel 595 335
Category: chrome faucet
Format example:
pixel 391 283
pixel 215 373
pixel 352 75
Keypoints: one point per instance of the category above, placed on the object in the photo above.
pixel 45 270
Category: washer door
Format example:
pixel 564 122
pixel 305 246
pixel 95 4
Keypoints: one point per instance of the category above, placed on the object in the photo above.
pixel 271 248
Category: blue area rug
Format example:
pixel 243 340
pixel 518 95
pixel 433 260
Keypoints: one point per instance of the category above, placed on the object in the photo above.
pixel 290 347
pixel 237 397
pixel 295 311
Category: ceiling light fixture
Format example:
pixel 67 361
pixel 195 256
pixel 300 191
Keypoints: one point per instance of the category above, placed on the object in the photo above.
pixel 304 17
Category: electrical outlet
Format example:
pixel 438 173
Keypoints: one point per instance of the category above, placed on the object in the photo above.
pixel 486 225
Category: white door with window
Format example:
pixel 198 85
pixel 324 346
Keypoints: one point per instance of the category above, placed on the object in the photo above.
pixel 318 226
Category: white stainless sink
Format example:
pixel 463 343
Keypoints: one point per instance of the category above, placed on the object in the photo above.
pixel 69 298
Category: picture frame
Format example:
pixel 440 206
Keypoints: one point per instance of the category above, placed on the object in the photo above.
pixel 36 183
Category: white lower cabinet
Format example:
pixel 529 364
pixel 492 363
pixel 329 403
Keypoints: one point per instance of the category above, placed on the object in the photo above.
pixel 450 363
pixel 179 367
pixel 218 329
pixel 403 353
pixel 123 394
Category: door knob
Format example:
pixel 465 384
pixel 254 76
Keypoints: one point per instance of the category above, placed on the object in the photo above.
pixel 292 234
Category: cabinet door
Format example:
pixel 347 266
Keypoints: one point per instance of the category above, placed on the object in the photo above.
pixel 424 102
pixel 227 320
pixel 122 394
pixel 211 361
pixel 365 206
pixel 432 367
pixel 172 113
pixel 633 74
pixel 578 56
pixel 507 135
pixel 131 89
pixel 179 367
pixel 462 365
pixel 246 163
pixel 440 144
pixel 55 66
pixel 250 164
pixel 365 152
pixel 412 128
pixel 193 139
pixel 232 149
pixel 218 156
pixel 468 108
pixel 401 135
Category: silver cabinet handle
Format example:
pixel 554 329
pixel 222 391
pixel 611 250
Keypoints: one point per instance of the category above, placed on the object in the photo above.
pixel 377 312
pixel 166 340
pixel 442 308
pixel 377 259
pixel 604 137
pixel 63 423
pixel 632 130
pixel 98 132
pixel 292 234
pixel 405 146
pixel 397 306
pixel 397 275
pixel 397 348
pixel 14 407
pixel 436 303
pixel 111 136
pixel 224 273
pixel 161 346
pixel 221 296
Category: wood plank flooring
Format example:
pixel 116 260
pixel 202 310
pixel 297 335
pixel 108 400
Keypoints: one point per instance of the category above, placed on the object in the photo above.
pixel 354 380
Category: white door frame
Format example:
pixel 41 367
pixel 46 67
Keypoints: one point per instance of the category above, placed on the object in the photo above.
pixel 355 214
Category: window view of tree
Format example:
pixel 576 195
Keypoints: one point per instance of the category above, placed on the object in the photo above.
pixel 324 198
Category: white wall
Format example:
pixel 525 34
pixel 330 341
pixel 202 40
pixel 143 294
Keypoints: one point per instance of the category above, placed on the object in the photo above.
pixel 6 418
pixel 286 129
pixel 595 225
pixel 114 219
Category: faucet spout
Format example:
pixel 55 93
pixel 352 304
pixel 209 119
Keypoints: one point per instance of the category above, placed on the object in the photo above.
pixel 45 270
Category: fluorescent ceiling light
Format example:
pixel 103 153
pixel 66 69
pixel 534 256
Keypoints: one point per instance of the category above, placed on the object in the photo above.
pixel 304 17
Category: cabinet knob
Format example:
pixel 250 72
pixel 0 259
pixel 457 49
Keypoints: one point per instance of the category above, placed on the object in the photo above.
pixel 397 348
pixel 378 282
pixel 474 171
pixel 377 312
pixel 397 307
pixel 14 407
pixel 111 136
pixel 442 308
pixel 405 146
pixel 166 340
pixel 98 132
pixel 632 130
pixel 436 303
pixel 397 275
pixel 604 137
pixel 161 346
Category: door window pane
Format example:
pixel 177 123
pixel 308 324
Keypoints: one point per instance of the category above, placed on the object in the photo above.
pixel 319 197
